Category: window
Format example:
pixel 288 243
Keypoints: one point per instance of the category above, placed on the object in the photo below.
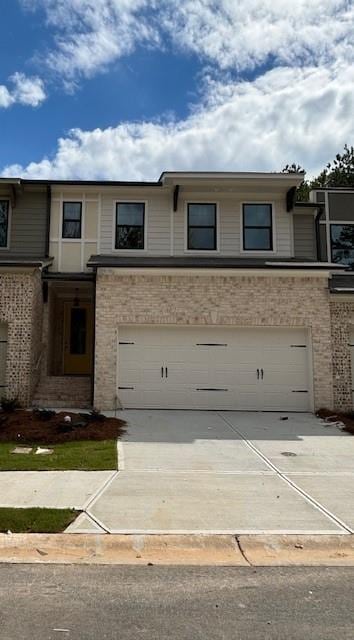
pixel 257 227
pixel 72 214
pixel 202 227
pixel 342 243
pixel 4 222
pixel 130 225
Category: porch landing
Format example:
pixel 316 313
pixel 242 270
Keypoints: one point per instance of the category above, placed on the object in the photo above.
pixel 63 391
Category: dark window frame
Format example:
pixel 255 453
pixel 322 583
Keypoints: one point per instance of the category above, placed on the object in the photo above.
pixel 248 226
pixel 65 237
pixel 5 246
pixel 338 224
pixel 137 226
pixel 206 226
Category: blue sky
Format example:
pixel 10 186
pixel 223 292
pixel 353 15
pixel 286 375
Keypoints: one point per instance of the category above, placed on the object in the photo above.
pixel 124 89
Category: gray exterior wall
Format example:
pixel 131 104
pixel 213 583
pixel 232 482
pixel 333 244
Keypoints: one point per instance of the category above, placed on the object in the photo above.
pixel 28 223
pixel 341 206
pixel 304 236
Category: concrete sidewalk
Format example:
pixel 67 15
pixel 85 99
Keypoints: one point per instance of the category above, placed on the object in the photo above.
pixel 55 489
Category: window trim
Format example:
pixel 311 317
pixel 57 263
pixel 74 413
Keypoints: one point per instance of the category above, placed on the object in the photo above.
pixel 6 247
pixel 77 238
pixel 217 228
pixel 115 226
pixel 273 249
pixel 337 224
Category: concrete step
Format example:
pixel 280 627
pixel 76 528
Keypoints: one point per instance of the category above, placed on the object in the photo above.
pixel 63 391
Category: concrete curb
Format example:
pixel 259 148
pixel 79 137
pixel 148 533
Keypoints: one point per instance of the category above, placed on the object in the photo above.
pixel 120 549
pixel 198 550
pixel 298 550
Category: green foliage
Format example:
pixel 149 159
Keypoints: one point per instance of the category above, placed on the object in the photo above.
pixel 35 520
pixel 9 406
pixel 338 173
pixel 303 191
pixel 89 455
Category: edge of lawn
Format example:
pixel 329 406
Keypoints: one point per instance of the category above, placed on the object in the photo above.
pixel 36 520
pixel 76 455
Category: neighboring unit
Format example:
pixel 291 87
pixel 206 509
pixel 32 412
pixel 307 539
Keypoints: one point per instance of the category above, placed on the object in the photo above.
pixel 24 220
pixel 198 291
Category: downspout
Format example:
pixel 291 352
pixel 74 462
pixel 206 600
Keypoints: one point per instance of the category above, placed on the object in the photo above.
pixel 94 341
pixel 317 231
pixel 49 201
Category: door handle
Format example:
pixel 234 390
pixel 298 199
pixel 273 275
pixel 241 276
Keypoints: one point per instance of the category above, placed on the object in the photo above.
pixel 257 374
pixel 166 372
pixel 262 374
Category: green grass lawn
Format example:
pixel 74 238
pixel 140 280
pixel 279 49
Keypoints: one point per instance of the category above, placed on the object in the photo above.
pixel 83 455
pixel 36 520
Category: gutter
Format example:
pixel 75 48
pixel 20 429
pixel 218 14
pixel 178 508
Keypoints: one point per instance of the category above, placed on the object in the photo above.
pixel 49 203
pixel 317 232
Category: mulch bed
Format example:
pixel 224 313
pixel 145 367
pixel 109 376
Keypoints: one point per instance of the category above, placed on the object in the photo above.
pixel 27 427
pixel 338 416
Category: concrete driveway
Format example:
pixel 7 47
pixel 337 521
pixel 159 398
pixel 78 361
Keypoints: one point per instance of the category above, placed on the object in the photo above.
pixel 227 472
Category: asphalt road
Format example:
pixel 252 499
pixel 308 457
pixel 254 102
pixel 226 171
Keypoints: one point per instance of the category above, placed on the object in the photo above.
pixel 186 603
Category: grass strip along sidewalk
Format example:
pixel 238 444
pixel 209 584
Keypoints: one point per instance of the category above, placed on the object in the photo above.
pixel 36 520
pixel 84 442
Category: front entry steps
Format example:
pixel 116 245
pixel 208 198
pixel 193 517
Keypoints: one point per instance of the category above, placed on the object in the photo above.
pixel 63 391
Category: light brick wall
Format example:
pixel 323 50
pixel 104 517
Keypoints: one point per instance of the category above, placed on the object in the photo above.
pixel 210 300
pixel 342 314
pixel 21 309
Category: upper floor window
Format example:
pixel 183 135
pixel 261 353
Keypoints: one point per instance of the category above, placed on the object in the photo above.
pixel 342 243
pixel 130 225
pixel 257 227
pixel 202 227
pixel 4 222
pixel 72 218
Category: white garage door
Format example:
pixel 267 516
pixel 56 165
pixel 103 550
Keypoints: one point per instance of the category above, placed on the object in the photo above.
pixel 213 368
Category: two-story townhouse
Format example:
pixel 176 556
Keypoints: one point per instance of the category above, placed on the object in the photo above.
pixel 335 239
pixel 24 225
pixel 200 290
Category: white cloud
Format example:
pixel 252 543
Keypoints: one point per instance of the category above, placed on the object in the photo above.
pixel 90 34
pixel 287 115
pixel 28 91
pixel 232 34
pixel 241 34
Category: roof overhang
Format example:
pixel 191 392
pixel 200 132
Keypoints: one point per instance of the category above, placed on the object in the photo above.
pixel 308 207
pixel 36 263
pixel 195 262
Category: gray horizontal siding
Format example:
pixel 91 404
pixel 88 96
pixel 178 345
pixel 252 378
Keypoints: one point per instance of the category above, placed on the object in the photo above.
pixel 28 225
pixel 304 236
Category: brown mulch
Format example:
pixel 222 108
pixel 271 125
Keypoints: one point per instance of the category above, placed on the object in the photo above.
pixel 25 427
pixel 338 416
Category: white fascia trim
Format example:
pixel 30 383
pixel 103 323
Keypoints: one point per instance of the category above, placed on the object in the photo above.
pixel 329 265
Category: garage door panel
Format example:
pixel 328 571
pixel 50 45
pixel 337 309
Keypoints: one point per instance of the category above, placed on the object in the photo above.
pixel 213 368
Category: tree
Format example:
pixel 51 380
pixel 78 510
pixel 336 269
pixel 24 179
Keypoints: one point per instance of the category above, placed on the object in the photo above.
pixel 339 173
pixel 303 191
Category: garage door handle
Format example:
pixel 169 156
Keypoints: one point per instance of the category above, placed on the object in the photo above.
pixel 161 372
pixel 257 374
pixel 262 373
pixel 166 372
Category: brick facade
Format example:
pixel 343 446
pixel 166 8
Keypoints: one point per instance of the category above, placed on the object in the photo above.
pixel 208 299
pixel 342 316
pixel 21 309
